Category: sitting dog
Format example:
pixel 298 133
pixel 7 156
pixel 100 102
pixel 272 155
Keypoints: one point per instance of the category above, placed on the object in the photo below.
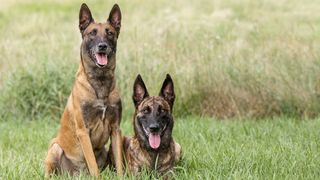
pixel 152 146
pixel 93 111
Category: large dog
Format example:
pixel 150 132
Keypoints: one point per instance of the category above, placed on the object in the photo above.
pixel 93 111
pixel 152 146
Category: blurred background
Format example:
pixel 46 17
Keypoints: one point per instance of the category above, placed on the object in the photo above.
pixel 227 58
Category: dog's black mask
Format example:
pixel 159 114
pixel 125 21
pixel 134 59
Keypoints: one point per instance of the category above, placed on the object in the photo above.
pixel 99 39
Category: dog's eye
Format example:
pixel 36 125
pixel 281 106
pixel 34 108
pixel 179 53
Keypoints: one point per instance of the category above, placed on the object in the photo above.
pixel 109 33
pixel 161 110
pixel 93 32
pixel 146 110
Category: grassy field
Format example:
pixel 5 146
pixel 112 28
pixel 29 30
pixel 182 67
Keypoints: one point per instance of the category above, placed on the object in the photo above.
pixel 255 62
pixel 269 149
pixel 228 58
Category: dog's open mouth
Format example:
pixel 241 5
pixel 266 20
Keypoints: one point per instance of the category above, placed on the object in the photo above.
pixel 101 59
pixel 154 138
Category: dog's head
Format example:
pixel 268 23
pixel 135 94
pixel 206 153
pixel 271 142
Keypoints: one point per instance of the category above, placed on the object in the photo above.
pixel 153 121
pixel 99 43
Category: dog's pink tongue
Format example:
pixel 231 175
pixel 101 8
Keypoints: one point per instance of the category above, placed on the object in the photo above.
pixel 154 140
pixel 102 59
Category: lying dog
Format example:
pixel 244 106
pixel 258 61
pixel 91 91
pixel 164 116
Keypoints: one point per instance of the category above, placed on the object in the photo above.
pixel 152 146
pixel 93 111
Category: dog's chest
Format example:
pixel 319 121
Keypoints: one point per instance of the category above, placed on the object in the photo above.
pixel 98 116
pixel 138 158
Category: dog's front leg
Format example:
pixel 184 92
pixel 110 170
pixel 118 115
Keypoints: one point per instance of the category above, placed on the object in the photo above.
pixel 86 145
pixel 117 149
pixel 116 139
pixel 88 152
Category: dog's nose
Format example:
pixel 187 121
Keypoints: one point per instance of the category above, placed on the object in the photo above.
pixel 102 46
pixel 154 127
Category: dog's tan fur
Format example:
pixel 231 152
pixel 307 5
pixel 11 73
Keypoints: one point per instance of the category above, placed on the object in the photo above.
pixel 92 114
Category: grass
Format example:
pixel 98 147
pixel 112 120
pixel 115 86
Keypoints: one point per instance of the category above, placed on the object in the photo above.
pixel 279 148
pixel 242 60
pixel 250 59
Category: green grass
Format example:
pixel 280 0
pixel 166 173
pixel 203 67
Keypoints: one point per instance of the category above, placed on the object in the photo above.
pixel 228 58
pixel 242 60
pixel 279 148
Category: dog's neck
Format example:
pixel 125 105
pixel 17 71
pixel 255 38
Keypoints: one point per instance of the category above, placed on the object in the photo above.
pixel 101 79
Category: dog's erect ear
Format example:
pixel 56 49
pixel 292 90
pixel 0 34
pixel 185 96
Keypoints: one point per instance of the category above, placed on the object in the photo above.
pixel 115 17
pixel 139 91
pixel 85 17
pixel 167 91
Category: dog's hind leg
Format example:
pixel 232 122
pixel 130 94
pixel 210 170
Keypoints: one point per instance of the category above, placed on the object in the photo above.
pixel 58 162
pixel 52 160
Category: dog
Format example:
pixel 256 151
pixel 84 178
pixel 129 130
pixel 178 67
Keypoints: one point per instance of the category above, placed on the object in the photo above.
pixel 152 146
pixel 93 111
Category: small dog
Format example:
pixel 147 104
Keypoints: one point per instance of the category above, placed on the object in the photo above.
pixel 93 111
pixel 152 146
